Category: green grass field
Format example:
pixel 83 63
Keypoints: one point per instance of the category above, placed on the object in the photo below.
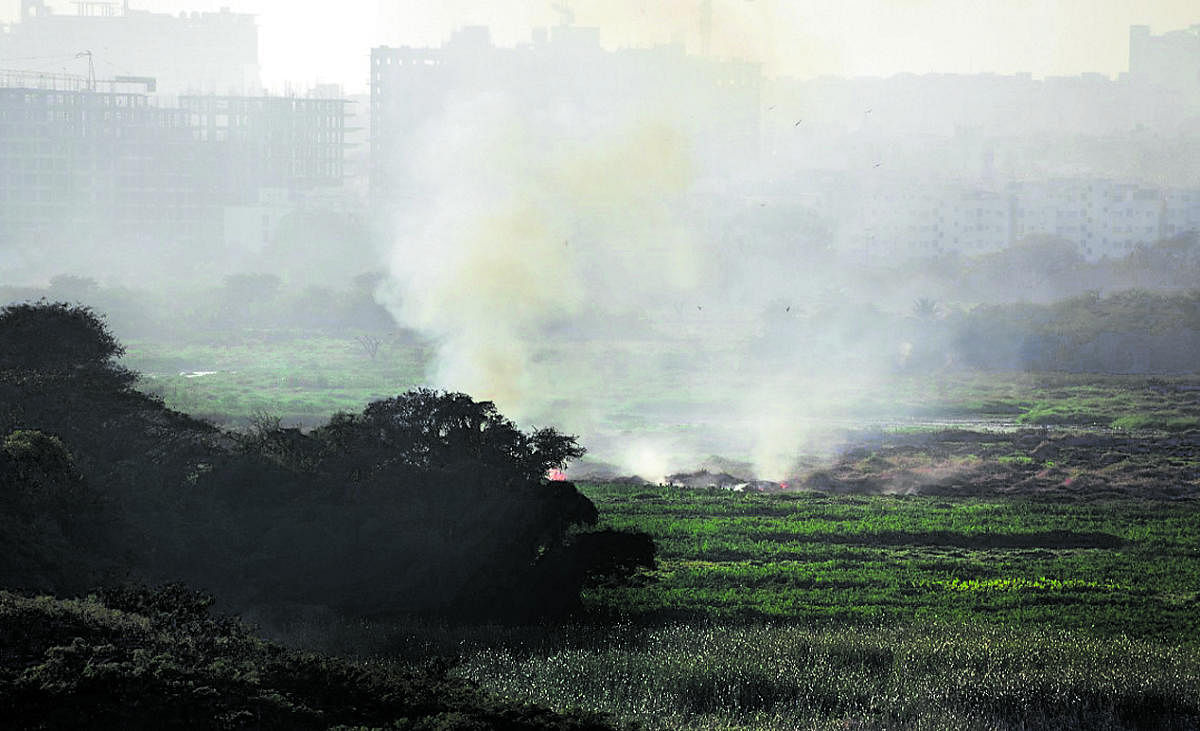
pixel 303 380
pixel 799 611
pixel 1128 567
pixel 925 676
pixel 1074 604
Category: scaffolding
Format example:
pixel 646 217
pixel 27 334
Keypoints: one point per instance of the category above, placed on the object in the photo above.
pixel 18 79
pixel 43 81
pixel 97 9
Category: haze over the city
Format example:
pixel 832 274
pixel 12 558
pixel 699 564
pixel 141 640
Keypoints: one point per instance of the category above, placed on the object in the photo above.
pixel 600 364
pixel 327 42
pixel 677 229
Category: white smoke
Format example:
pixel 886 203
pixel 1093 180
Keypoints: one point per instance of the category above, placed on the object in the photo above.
pixel 570 266
pixel 528 221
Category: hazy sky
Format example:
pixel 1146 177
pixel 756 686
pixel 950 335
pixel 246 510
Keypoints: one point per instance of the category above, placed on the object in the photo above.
pixel 321 40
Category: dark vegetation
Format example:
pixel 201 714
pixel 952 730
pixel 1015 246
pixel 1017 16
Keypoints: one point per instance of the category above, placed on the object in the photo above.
pixel 861 609
pixel 965 579
pixel 1036 306
pixel 1131 331
pixel 135 658
pixel 425 503
pixel 1128 332
pixel 794 676
pixel 238 302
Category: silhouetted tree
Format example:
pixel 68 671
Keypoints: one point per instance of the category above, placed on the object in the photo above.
pixel 38 475
pixel 55 337
pixel 610 555
pixel 425 502
pixel 426 429
pixel 369 344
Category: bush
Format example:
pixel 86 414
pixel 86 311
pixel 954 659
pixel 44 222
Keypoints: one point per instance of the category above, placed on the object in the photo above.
pixel 154 658
pixel 39 475
pixel 427 502
pixel 54 337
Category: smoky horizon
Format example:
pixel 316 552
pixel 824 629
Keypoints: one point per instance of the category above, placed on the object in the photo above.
pixel 683 232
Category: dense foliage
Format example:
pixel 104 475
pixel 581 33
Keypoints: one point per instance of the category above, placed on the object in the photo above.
pixel 1127 332
pixel 955 606
pixel 425 430
pixel 51 337
pixel 425 502
pixel 137 658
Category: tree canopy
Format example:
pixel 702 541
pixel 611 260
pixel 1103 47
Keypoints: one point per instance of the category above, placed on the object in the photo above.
pixel 54 336
pixel 425 429
pixel 425 502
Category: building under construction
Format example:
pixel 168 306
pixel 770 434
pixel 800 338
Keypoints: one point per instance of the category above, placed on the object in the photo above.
pixel 84 164
pixel 189 53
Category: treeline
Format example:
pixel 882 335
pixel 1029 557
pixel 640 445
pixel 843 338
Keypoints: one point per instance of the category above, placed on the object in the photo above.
pixel 237 302
pixel 1038 269
pixel 1135 331
pixel 427 503
pixel 1131 331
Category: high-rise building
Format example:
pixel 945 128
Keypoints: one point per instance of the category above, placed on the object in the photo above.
pixel 1170 60
pixel 93 166
pixel 91 170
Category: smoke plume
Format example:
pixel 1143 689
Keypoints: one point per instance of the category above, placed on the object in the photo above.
pixel 588 267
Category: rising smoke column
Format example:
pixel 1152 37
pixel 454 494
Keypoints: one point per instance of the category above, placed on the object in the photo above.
pixel 528 218
pixel 576 263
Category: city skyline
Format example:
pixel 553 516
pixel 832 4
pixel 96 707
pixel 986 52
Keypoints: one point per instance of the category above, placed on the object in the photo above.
pixel 299 46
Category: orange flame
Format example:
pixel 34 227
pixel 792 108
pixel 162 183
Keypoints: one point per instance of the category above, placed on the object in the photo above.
pixel 556 475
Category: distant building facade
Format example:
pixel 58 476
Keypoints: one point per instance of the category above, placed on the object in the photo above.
pixel 84 168
pixel 935 164
pixel 101 165
pixel 1170 60
pixel 1103 218
pixel 895 219
pixel 257 142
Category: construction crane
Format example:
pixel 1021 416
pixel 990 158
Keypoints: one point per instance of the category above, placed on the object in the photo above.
pixel 563 8
pixel 97 8
pixel 91 69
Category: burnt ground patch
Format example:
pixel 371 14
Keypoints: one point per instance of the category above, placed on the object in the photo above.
pixel 1034 462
